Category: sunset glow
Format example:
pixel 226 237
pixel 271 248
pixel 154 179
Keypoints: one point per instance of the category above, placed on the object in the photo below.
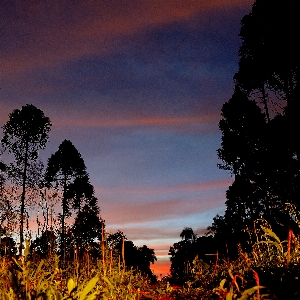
pixel 137 86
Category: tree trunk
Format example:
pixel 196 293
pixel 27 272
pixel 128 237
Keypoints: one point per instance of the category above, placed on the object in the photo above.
pixel 265 102
pixel 63 239
pixel 23 200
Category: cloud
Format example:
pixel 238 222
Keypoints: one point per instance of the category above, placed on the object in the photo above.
pixel 133 122
pixel 87 119
pixel 215 184
pixel 121 64
pixel 116 212
pixel 40 34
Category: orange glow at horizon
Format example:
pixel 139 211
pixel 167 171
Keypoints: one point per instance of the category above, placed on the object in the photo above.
pixel 161 267
pixel 134 121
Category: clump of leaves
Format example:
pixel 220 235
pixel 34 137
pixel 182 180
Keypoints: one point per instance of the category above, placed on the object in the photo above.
pixel 276 261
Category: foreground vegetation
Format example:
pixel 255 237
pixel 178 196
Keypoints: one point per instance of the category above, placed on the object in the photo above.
pixel 270 271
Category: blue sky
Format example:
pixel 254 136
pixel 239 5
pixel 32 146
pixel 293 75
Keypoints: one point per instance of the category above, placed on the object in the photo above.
pixel 138 87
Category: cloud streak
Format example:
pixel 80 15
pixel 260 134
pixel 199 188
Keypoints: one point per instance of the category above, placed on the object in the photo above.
pixel 71 30
pixel 121 213
pixel 215 184
pixel 134 122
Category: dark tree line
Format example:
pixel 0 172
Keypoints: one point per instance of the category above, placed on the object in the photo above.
pixel 260 127
pixel 133 257
pixel 26 182
pixel 183 253
pixel 260 123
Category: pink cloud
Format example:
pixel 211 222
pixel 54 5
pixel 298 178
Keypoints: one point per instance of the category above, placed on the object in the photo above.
pixel 150 121
pixel 215 184
pixel 120 211
pixel 114 212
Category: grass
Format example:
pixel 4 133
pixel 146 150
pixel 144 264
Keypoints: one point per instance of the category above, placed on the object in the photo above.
pixel 269 271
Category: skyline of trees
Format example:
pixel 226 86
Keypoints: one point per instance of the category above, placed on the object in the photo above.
pixel 26 181
pixel 260 139
pixel 260 124
pixel 26 184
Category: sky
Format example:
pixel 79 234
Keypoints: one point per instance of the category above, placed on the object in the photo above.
pixel 137 86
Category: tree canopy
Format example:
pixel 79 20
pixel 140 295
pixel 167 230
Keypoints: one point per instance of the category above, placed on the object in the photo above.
pixel 260 123
pixel 66 171
pixel 24 134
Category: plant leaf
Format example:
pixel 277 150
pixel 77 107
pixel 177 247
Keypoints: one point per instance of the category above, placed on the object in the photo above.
pixel 92 296
pixel 229 294
pixel 277 245
pixel 108 281
pixel 222 283
pixel 27 248
pixel 270 233
pixel 90 285
pixel 71 285
pixel 249 292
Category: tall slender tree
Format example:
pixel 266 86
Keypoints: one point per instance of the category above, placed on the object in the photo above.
pixel 24 134
pixel 65 170
pixel 2 170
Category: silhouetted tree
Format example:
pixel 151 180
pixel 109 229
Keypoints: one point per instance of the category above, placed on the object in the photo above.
pixel 182 255
pixel 81 192
pixel 257 153
pixel 188 234
pixel 136 258
pixel 24 134
pixel 87 228
pixel 242 126
pixel 206 248
pixel 2 170
pixel 114 240
pixel 8 245
pixel 261 150
pixel 269 58
pixel 44 245
pixel 242 151
pixel 269 54
pixel 65 169
pixel 146 256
